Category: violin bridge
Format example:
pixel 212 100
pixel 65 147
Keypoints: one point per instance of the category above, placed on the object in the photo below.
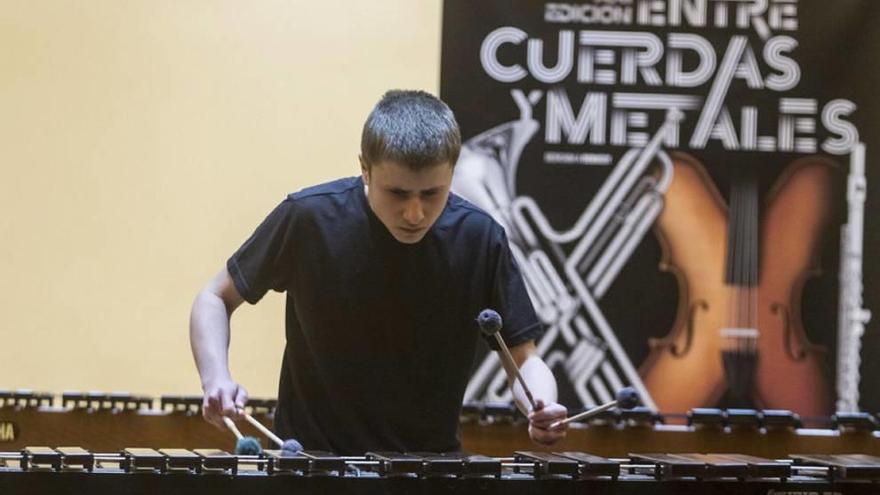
pixel 740 333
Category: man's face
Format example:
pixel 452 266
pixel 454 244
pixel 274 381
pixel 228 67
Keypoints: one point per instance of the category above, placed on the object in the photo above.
pixel 407 201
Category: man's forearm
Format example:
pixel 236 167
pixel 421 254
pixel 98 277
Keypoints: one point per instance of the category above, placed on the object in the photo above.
pixel 209 337
pixel 539 379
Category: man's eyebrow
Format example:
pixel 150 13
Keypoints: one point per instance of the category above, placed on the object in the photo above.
pixel 427 190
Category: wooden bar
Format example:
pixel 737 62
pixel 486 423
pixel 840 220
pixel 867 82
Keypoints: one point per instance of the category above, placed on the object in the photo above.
pixel 182 459
pixel 281 461
pixel 442 464
pixel 846 467
pixel 779 419
pixel 218 459
pixel 719 467
pixel 743 418
pixel 480 465
pixel 758 467
pixel 76 456
pixel 40 456
pixel 325 462
pixel 135 459
pixel 396 463
pixel 670 466
pixel 706 418
pixel 855 421
pixel 546 464
pixel 591 465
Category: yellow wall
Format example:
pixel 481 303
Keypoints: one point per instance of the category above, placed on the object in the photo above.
pixel 141 141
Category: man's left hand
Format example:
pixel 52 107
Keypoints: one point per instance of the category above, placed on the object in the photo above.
pixel 540 420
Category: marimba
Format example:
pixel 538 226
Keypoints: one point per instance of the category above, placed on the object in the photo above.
pixel 497 429
pixel 109 422
pixel 140 470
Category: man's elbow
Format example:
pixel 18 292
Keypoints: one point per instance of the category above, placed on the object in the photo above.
pixel 522 352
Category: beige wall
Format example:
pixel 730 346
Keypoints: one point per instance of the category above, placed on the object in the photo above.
pixel 141 141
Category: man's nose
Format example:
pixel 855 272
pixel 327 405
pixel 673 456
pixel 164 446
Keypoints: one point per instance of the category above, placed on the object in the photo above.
pixel 413 213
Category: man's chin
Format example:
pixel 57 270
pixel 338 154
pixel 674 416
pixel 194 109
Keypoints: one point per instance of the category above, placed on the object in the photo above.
pixel 409 237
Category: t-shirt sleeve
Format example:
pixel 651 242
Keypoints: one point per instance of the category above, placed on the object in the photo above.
pixel 510 298
pixel 265 260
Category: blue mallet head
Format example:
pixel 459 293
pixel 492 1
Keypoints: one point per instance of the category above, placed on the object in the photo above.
pixel 627 398
pixel 248 446
pixel 291 447
pixel 489 321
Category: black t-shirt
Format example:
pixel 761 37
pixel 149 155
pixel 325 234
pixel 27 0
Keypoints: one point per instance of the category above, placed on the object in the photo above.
pixel 381 335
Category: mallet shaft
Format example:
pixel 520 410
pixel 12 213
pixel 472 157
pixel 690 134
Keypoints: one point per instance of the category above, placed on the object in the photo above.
pixel 264 430
pixel 505 354
pixel 234 429
pixel 586 414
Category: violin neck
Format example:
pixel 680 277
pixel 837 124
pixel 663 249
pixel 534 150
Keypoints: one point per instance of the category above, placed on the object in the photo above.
pixel 741 264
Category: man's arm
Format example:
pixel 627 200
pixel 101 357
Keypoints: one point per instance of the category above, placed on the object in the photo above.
pixel 209 339
pixel 542 385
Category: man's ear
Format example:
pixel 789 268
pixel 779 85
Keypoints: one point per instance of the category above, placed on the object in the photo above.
pixel 365 170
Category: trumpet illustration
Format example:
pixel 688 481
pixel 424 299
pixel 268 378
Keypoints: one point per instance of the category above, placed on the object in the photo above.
pixel 565 288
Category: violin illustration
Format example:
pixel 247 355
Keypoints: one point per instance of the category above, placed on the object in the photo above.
pixel 741 269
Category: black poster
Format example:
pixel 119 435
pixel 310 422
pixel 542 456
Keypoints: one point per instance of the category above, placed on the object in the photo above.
pixel 689 187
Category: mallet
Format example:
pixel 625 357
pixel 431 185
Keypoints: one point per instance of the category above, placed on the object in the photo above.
pixel 288 447
pixel 490 324
pixel 244 445
pixel 627 398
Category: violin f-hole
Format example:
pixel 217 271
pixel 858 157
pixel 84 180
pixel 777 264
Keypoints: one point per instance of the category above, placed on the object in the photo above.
pixel 669 342
pixel 795 355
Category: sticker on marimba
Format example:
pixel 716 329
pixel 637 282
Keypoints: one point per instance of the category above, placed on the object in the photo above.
pixel 8 431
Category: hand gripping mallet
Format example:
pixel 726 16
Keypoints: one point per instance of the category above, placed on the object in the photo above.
pixel 490 324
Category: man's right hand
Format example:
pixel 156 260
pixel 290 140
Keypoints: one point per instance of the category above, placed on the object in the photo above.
pixel 223 398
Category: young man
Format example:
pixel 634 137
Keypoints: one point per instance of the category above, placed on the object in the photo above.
pixel 385 274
